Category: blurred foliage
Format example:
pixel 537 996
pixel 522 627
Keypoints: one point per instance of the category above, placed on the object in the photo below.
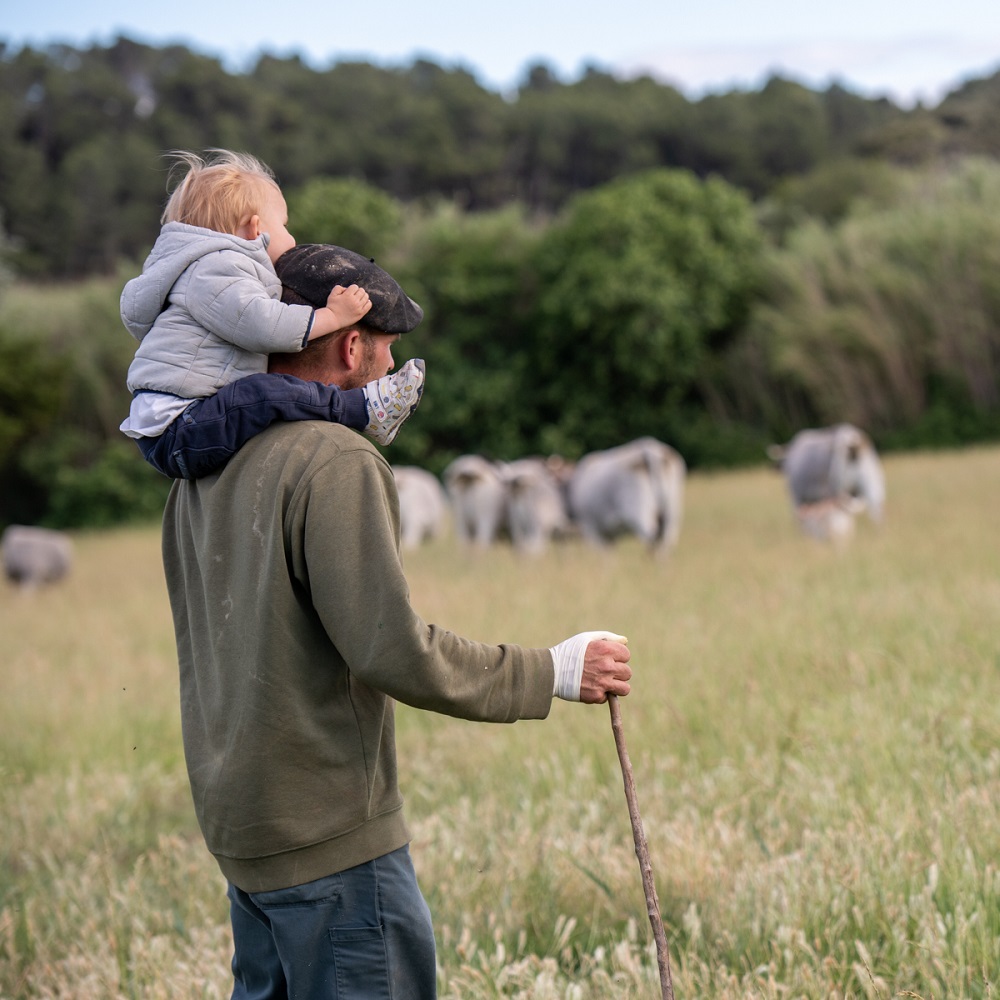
pixel 63 461
pixel 597 259
pixel 472 273
pixel 652 305
pixel 889 319
pixel 83 131
pixel 347 213
pixel 829 193
pixel 640 283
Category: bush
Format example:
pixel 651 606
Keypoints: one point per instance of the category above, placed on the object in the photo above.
pixel 641 282
pixel 62 396
pixel 93 483
pixel 347 213
pixel 889 320
pixel 472 274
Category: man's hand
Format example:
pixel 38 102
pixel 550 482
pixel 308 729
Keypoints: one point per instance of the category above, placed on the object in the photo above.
pixel 590 666
pixel 605 671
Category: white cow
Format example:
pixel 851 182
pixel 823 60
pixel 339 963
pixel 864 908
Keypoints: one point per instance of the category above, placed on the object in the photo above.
pixel 35 556
pixel 636 488
pixel 837 464
pixel 536 509
pixel 478 497
pixel 423 505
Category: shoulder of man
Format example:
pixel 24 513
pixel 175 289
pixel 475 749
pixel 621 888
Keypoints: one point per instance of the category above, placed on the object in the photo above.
pixel 310 444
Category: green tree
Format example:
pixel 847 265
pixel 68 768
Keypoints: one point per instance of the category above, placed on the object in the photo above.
pixel 31 390
pixel 755 138
pixel 471 272
pixel 790 129
pixel 972 117
pixel 568 137
pixel 63 460
pixel 915 140
pixel 849 116
pixel 830 193
pixel 640 282
pixel 82 132
pixel 411 132
pixel 112 201
pixel 719 141
pixel 345 212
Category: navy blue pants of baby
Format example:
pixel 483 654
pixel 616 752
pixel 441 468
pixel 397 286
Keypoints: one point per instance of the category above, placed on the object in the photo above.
pixel 210 431
pixel 362 934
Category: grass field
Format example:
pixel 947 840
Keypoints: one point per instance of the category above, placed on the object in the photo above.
pixel 815 735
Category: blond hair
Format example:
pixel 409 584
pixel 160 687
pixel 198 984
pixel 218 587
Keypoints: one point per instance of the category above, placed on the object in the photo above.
pixel 221 192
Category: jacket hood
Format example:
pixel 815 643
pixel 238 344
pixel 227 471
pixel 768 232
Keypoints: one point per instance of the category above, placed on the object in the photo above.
pixel 177 247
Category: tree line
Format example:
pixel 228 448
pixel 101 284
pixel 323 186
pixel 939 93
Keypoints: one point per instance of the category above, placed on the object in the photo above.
pixel 82 132
pixel 597 304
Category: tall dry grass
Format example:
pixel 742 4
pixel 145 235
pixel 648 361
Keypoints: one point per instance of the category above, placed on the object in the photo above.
pixel 814 733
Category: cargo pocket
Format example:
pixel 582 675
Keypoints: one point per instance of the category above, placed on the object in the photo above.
pixel 362 963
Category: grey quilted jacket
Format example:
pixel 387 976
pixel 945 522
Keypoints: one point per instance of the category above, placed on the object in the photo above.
pixel 206 310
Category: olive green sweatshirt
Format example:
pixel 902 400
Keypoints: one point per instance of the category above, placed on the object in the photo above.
pixel 295 635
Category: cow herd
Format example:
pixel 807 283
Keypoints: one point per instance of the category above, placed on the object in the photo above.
pixel 637 489
pixel 833 474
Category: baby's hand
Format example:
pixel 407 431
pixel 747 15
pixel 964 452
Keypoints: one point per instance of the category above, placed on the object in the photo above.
pixel 348 305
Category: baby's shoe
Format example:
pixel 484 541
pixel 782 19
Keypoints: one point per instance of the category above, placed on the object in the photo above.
pixel 391 399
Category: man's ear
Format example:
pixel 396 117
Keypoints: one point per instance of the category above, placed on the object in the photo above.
pixel 350 349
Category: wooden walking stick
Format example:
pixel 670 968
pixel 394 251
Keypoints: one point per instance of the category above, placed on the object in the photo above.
pixel 642 852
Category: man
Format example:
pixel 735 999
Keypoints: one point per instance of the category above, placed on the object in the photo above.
pixel 295 636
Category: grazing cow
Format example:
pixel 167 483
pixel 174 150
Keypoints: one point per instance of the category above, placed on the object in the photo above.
pixel 423 505
pixel 636 488
pixel 34 556
pixel 536 510
pixel 832 464
pixel 829 520
pixel 478 496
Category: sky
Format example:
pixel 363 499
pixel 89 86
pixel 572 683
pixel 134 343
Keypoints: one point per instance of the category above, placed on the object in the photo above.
pixel 907 50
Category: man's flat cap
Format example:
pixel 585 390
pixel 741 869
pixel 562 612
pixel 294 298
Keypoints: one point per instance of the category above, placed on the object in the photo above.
pixel 309 271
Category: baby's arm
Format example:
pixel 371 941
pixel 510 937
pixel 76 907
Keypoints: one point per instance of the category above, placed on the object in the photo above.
pixel 343 307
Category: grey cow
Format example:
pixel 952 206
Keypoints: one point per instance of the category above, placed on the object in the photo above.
pixel 536 509
pixel 478 497
pixel 832 467
pixel 423 505
pixel 34 556
pixel 636 488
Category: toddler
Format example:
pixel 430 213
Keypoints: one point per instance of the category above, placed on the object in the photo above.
pixel 207 311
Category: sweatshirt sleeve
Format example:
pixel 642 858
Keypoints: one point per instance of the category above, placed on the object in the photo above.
pixel 360 592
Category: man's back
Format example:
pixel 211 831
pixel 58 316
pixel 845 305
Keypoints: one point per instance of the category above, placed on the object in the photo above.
pixel 282 570
pixel 278 733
